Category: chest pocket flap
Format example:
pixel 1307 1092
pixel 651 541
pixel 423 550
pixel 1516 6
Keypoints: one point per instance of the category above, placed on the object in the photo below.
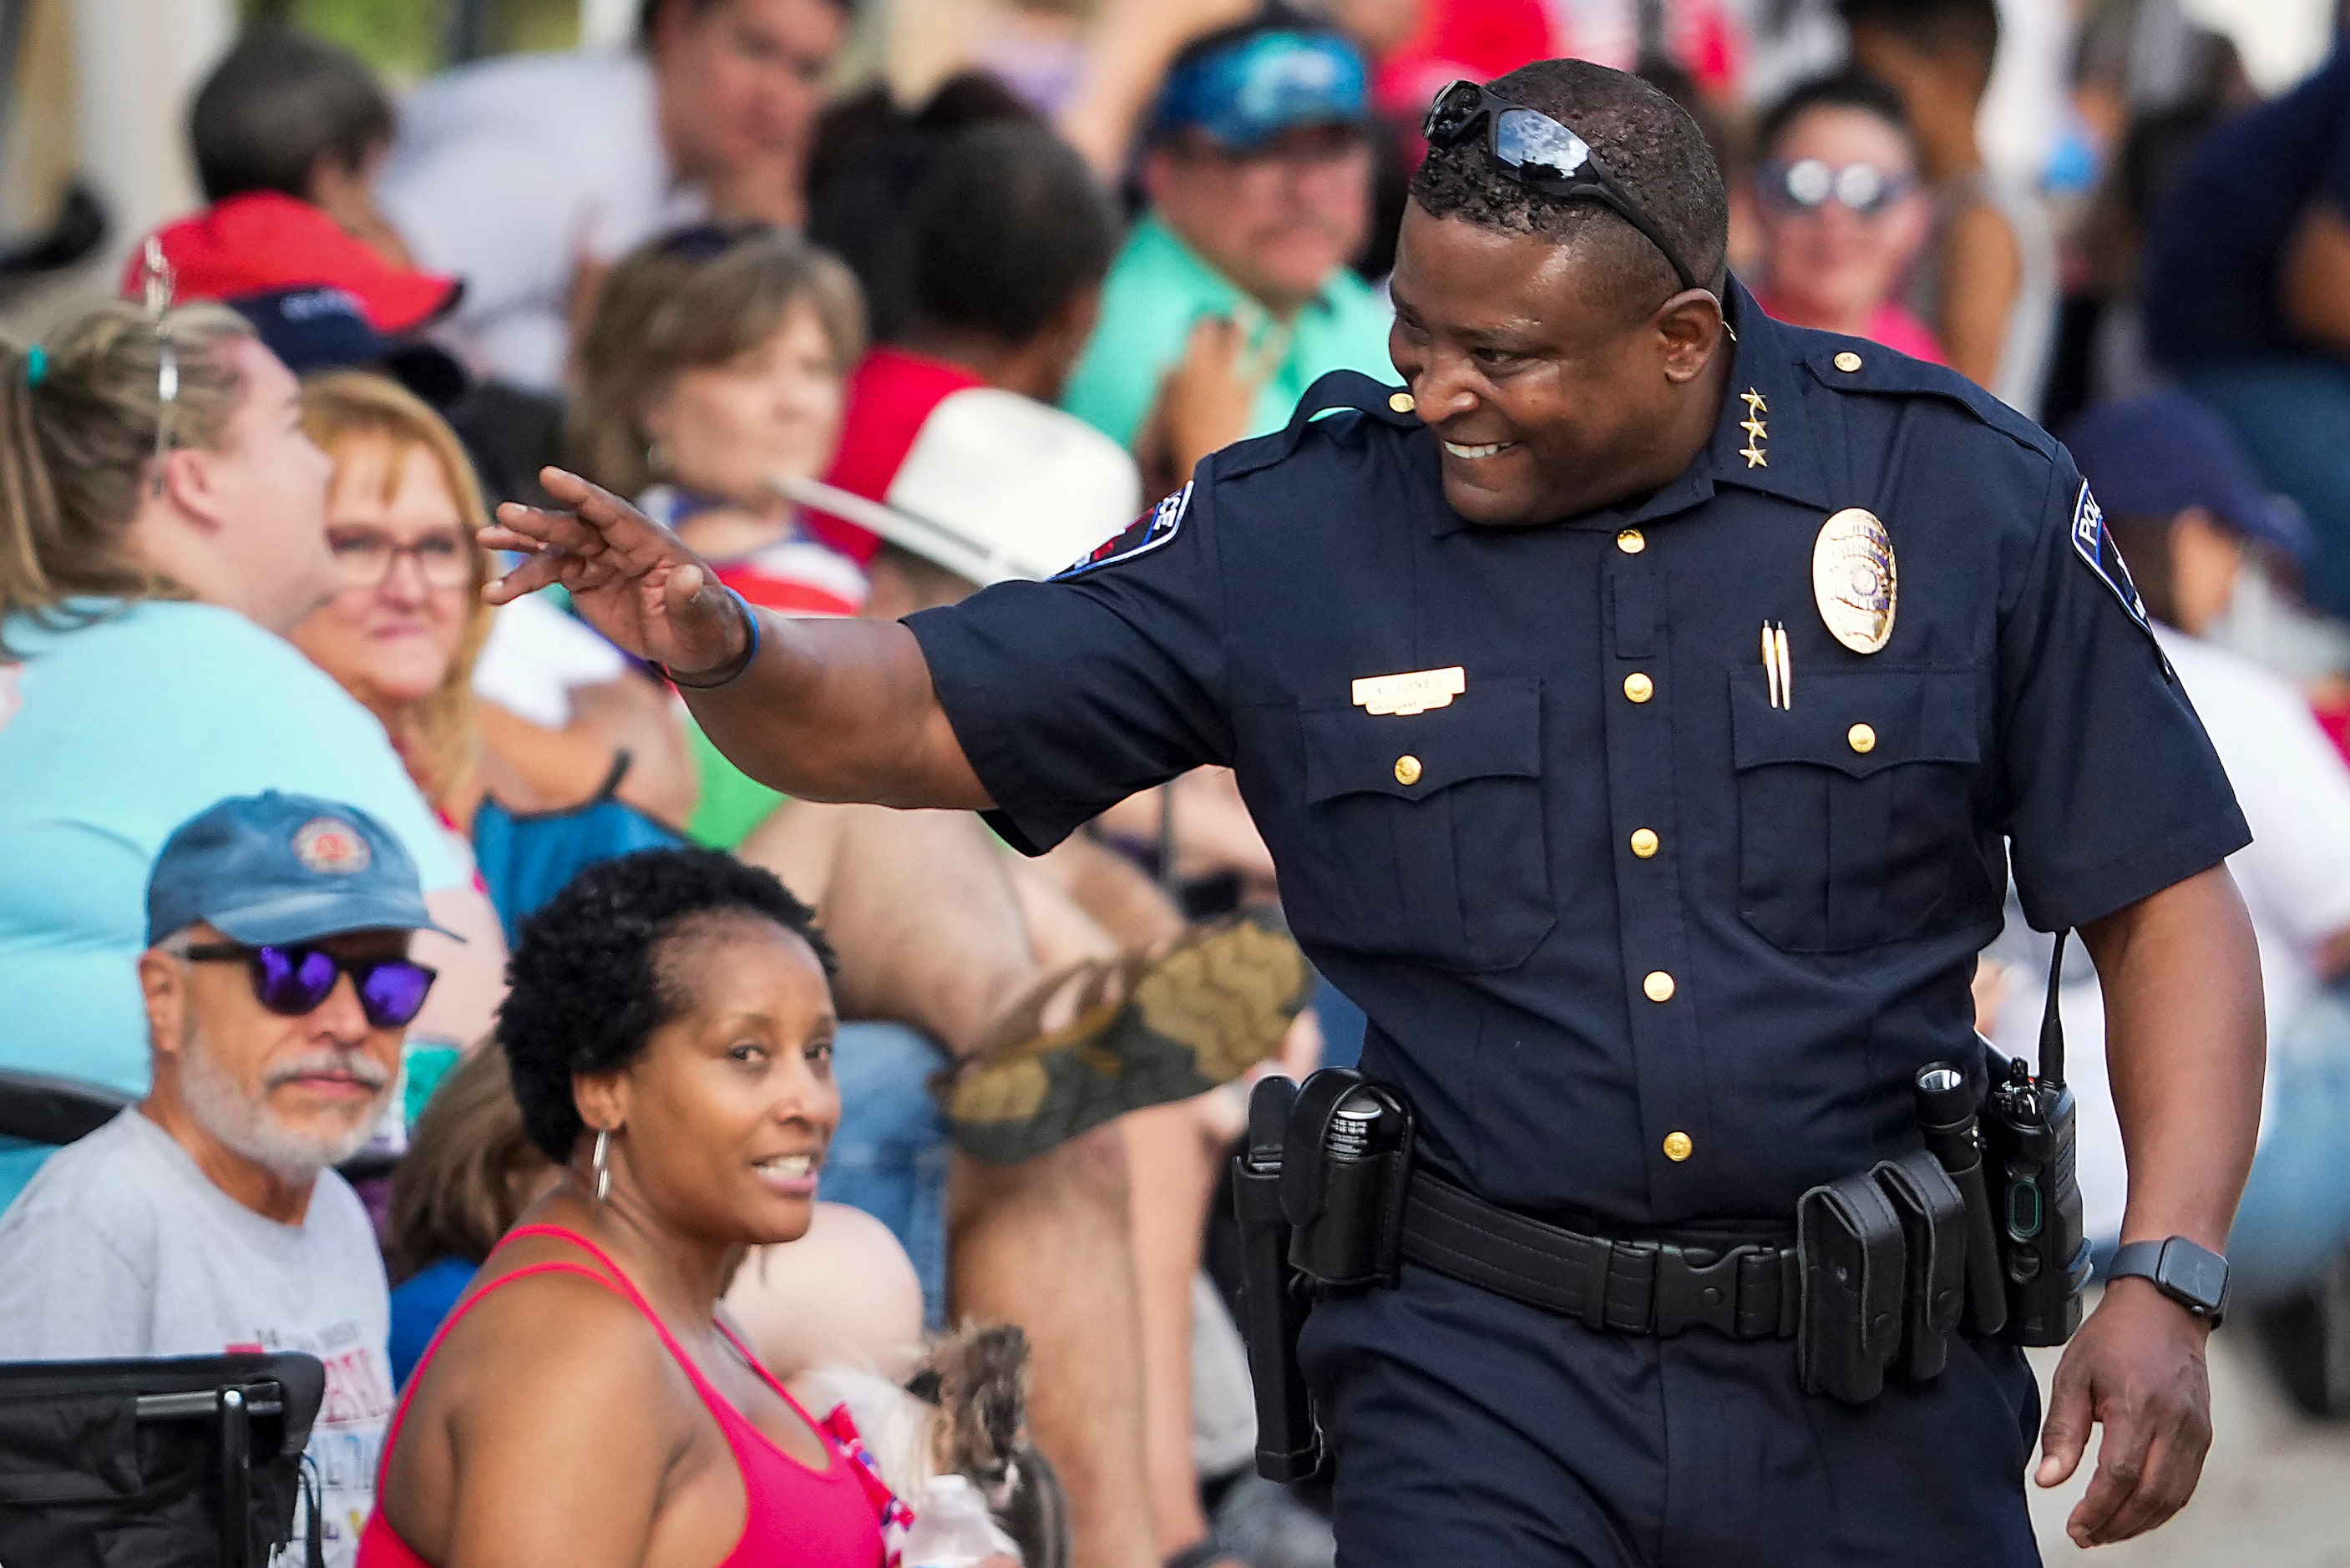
pixel 1491 731
pixel 1855 822
pixel 1858 721
pixel 1421 835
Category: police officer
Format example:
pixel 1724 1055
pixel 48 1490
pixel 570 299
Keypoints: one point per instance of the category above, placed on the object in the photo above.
pixel 1642 710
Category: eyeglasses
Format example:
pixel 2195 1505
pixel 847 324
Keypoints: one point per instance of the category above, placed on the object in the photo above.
pixel 364 558
pixel 291 978
pixel 1542 155
pixel 155 290
pixel 1807 184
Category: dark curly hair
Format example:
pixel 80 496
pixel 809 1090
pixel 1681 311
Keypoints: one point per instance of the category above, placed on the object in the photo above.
pixel 586 993
pixel 1648 143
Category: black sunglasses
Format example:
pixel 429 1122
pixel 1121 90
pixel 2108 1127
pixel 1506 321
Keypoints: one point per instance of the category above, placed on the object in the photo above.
pixel 1539 154
pixel 291 978
pixel 1805 185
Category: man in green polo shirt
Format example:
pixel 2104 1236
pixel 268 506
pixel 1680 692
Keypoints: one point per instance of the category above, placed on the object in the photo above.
pixel 1258 171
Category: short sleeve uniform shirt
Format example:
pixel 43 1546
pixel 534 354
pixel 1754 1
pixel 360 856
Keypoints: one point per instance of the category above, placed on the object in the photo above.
pixel 1633 938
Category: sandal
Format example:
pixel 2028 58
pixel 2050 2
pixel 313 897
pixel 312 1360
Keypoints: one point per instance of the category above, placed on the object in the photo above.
pixel 1114 1035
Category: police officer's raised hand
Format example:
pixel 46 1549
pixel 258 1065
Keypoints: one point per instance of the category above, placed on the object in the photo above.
pixel 630 577
pixel 2137 1367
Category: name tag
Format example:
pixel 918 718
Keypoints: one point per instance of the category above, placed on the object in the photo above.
pixel 1406 694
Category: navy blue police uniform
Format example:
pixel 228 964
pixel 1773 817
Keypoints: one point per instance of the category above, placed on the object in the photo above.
pixel 1649 951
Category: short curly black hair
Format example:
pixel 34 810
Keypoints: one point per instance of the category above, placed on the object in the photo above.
pixel 585 991
pixel 1648 143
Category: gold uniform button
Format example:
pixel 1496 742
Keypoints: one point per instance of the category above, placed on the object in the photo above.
pixel 1644 841
pixel 1631 541
pixel 1638 687
pixel 1401 403
pixel 1861 739
pixel 1658 986
pixel 1848 361
pixel 1678 1146
pixel 1408 770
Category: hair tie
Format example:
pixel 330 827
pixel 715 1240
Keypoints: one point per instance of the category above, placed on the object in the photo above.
pixel 36 365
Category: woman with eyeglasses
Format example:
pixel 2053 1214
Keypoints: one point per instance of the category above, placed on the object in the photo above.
pixel 161 529
pixel 670 1035
pixel 1841 212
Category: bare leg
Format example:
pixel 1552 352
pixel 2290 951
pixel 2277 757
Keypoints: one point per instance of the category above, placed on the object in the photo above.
pixel 917 907
pixel 1044 1244
pixel 1134 911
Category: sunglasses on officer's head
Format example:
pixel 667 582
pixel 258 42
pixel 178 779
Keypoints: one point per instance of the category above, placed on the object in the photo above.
pixel 1807 184
pixel 291 978
pixel 1541 154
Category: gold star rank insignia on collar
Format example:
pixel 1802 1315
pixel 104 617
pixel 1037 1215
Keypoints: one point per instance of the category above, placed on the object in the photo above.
pixel 1756 407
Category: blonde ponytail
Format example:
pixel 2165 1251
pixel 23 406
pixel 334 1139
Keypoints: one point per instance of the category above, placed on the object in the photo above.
pixel 79 420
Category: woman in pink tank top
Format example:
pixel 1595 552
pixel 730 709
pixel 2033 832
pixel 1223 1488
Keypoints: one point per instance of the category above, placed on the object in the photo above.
pixel 670 1033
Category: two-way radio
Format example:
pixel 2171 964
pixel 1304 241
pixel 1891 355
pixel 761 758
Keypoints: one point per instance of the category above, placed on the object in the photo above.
pixel 2029 1135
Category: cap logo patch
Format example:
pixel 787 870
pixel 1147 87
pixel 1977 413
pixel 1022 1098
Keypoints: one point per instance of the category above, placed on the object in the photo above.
pixel 1145 534
pixel 330 847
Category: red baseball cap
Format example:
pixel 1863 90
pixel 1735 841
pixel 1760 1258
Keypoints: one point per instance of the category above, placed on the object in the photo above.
pixel 262 241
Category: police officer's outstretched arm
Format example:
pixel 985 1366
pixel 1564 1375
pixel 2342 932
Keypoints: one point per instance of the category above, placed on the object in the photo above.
pixel 828 710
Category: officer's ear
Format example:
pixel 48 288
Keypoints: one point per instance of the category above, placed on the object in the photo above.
pixel 1690 327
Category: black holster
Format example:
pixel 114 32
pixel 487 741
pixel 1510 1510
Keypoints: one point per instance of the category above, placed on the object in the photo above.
pixel 1320 1189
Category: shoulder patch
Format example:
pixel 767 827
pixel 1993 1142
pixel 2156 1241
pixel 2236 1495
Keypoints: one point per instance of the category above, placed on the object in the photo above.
pixel 1146 533
pixel 2097 546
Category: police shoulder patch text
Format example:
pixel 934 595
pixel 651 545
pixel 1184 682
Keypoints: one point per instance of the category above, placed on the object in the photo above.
pixel 1146 533
pixel 2094 545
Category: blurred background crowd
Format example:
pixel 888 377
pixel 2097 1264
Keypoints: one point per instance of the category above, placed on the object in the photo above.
pixel 876 302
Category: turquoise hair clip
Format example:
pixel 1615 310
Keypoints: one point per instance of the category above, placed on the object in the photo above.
pixel 36 365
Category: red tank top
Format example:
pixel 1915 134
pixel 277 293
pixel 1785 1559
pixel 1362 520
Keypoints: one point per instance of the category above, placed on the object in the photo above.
pixel 793 1517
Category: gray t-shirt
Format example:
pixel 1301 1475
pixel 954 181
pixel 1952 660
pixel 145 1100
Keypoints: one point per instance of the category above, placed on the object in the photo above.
pixel 122 1247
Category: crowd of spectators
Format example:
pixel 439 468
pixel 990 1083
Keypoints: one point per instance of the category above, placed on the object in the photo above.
pixel 613 1004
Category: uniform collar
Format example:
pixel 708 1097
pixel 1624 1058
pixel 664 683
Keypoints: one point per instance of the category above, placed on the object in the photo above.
pixel 1765 362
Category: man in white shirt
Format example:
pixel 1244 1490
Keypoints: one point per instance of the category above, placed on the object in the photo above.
pixel 529 175
pixel 2180 501
pixel 208 1218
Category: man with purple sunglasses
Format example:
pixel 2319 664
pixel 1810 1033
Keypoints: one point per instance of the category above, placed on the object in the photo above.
pixel 208 1217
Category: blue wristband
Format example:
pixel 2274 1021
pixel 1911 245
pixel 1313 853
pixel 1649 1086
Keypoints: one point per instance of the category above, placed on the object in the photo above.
pixel 734 670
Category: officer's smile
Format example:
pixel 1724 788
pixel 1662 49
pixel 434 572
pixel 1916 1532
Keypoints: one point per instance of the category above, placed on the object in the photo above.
pixel 1488 450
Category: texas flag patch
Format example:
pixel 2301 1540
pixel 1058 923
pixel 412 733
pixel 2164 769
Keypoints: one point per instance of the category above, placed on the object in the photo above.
pixel 1146 533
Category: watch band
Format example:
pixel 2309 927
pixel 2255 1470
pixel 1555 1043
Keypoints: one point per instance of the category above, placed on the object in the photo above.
pixel 2144 1260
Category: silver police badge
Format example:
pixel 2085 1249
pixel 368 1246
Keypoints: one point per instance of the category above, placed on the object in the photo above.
pixel 1853 580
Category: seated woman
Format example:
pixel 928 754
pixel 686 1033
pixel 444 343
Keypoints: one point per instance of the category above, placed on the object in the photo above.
pixel 844 1294
pixel 670 1035
pixel 1842 213
pixel 404 630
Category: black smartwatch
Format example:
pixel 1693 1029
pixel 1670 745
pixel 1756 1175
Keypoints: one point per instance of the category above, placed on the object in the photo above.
pixel 2195 1277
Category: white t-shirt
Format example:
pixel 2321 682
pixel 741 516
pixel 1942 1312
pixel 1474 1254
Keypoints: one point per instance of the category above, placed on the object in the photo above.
pixel 2294 875
pixel 508 172
pixel 121 1247
pixel 534 656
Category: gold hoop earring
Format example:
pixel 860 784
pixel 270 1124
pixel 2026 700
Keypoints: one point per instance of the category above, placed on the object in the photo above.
pixel 601 1162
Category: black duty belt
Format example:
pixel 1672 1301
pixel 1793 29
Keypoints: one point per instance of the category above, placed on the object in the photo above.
pixel 1747 1290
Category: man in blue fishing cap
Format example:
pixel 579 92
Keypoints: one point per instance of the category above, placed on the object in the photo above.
pixel 209 1217
pixel 1257 166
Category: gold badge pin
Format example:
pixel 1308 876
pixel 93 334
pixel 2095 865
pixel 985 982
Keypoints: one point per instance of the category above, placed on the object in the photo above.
pixel 1415 692
pixel 1853 580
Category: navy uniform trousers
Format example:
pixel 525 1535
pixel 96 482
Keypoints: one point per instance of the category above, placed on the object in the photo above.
pixel 1474 1431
